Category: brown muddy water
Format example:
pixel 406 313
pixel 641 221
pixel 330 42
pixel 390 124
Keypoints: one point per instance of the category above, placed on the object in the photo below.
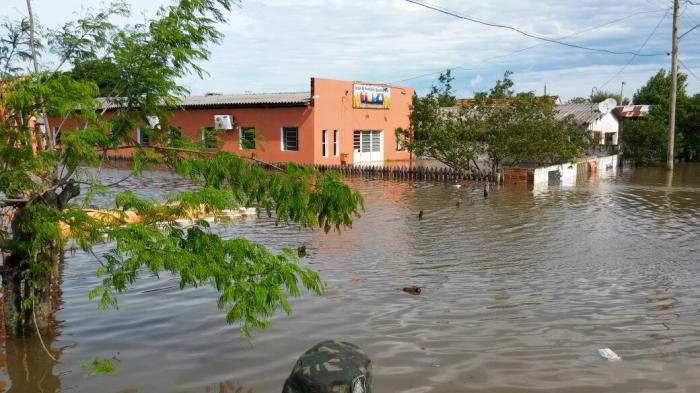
pixel 520 290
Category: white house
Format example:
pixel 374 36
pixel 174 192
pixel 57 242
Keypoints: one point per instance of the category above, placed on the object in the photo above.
pixel 601 119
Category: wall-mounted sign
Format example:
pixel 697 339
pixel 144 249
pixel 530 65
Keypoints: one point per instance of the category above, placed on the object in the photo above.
pixel 371 96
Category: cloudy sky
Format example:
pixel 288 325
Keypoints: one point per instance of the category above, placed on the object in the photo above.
pixel 277 45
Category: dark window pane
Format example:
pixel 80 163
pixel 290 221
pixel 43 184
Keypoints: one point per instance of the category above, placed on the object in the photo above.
pixel 290 138
pixel 248 138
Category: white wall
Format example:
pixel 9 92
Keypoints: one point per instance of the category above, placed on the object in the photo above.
pixel 568 174
pixel 607 123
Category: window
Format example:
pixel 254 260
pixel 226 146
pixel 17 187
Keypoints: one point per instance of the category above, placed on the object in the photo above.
pixel 399 141
pixel 336 151
pixel 597 136
pixel 209 138
pixel 324 143
pixel 57 135
pixel 142 137
pixel 367 141
pixel 290 139
pixel 246 138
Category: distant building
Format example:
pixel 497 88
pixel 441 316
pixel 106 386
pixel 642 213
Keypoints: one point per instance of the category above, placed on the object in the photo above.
pixel 601 119
pixel 335 122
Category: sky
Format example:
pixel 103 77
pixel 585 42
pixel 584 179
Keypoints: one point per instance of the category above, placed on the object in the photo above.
pixel 278 45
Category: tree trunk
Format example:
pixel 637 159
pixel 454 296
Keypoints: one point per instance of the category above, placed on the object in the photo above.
pixel 12 296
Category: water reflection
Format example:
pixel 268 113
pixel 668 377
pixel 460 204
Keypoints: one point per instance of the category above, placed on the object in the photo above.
pixel 520 289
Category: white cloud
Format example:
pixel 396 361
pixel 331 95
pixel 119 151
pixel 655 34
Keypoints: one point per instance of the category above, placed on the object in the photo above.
pixel 273 45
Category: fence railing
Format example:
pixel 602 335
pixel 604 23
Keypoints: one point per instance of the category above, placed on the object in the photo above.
pixel 405 173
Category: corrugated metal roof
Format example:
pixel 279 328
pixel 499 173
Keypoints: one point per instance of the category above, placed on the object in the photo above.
pixel 218 100
pixel 585 113
pixel 632 111
pixel 286 98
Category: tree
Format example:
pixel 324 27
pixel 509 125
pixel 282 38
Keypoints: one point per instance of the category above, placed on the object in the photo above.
pixel 503 87
pixel 645 139
pixel 504 127
pixel 103 72
pixel 444 93
pixel 527 129
pixel 39 180
pixel 578 100
pixel 600 96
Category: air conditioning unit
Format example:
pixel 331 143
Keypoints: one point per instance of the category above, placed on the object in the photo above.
pixel 223 122
pixel 153 121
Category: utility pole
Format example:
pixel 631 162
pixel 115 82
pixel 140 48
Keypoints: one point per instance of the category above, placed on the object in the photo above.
pixel 50 137
pixel 674 83
pixel 622 98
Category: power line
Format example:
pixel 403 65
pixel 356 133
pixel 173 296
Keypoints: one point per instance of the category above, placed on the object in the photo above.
pixel 491 24
pixel 471 68
pixel 688 69
pixel 640 48
pixel 691 29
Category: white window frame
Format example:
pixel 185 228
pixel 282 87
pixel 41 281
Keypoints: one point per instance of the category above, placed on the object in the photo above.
pixel 282 148
pixel 138 138
pixel 324 143
pixel 336 143
pixel 240 138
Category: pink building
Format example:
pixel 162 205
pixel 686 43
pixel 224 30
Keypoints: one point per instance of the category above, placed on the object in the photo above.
pixel 335 122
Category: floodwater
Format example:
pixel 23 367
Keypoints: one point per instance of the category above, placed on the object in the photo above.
pixel 520 290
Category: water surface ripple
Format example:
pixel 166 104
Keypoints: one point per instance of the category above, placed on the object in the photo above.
pixel 520 290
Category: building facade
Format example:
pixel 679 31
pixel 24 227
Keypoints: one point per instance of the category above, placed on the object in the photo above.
pixel 600 119
pixel 335 122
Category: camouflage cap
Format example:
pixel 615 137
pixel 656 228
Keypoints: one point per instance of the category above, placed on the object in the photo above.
pixel 331 367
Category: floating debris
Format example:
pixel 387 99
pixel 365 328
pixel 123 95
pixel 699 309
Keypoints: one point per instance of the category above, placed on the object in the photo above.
pixel 420 215
pixel 608 353
pixel 301 251
pixel 412 289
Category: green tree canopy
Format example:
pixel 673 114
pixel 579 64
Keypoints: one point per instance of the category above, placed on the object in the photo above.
pixel 578 100
pixel 499 128
pixel 39 179
pixel 444 92
pixel 602 95
pixel 645 139
pixel 103 72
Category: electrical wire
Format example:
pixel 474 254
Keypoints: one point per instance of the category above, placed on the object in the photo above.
pixel 640 48
pixel 491 24
pixel 688 69
pixel 471 68
pixel 691 29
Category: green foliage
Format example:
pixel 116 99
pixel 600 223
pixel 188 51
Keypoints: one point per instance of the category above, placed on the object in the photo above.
pixel 644 140
pixel 142 65
pixel 507 128
pixel 602 95
pixel 578 100
pixel 103 72
pixel 98 366
pixel 444 93
pixel 14 46
pixel 503 87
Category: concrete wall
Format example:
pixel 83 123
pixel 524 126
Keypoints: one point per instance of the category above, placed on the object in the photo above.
pixel 567 171
pixel 268 122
